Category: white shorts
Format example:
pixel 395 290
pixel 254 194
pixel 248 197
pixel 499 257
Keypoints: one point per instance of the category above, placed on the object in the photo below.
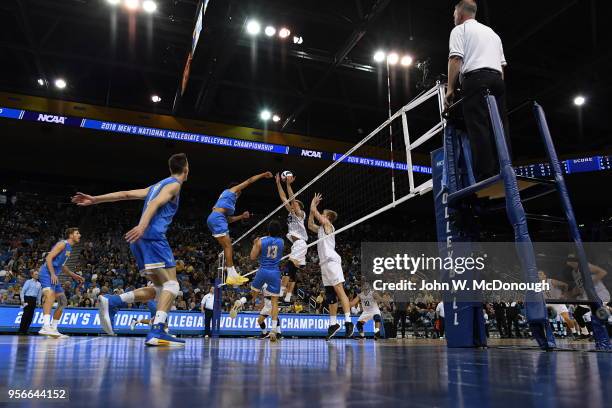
pixel 559 309
pixel 332 274
pixel 267 309
pixel 368 315
pixel 298 251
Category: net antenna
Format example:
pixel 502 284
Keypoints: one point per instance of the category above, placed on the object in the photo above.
pixel 391 182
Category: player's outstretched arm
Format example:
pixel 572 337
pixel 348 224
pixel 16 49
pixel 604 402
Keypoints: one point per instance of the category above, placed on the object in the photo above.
pixel 256 250
pixel 355 301
pixel 312 226
pixel 244 216
pixel 166 194
pixel 250 181
pixel 82 199
pixel 281 193
pixel 73 275
pixel 294 205
pixel 314 211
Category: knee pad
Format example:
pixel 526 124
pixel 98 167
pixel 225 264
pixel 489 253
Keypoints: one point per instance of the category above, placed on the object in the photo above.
pixel 262 325
pixel 377 318
pixel 360 326
pixel 330 295
pixel 172 286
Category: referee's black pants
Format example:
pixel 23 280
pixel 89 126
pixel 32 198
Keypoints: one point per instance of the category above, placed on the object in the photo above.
pixel 28 314
pixel 400 317
pixel 477 122
pixel 208 315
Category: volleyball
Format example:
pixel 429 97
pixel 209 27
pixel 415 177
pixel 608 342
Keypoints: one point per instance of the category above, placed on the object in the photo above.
pixel 285 174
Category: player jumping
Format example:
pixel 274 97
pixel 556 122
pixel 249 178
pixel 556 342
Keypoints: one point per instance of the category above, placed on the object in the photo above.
pixel 369 302
pixel 150 247
pixel 267 280
pixel 222 215
pixel 331 266
pixel 55 264
pixel 296 234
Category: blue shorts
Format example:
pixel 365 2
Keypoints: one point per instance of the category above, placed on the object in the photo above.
pixel 44 278
pixel 217 224
pixel 270 277
pixel 152 254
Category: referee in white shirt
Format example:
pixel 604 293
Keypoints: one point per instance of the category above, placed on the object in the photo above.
pixel 208 304
pixel 476 60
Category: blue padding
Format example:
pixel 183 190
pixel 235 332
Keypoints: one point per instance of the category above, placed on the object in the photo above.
pixel 602 341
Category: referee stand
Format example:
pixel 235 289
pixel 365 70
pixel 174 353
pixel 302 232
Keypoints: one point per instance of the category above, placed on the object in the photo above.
pixel 455 190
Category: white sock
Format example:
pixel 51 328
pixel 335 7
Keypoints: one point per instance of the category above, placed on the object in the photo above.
pixel 54 324
pixel 274 326
pixel 160 317
pixel 376 329
pixel 347 317
pixel 288 297
pixel 231 271
pixel 47 320
pixel 283 290
pixel 278 328
pixel 332 320
pixel 128 297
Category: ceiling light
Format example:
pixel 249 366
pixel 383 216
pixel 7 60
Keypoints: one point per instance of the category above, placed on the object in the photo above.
pixel 113 2
pixel 297 40
pixel 155 99
pixel 41 82
pixel 265 115
pixel 270 31
pixel 149 6
pixel 579 100
pixel 132 4
pixel 253 27
pixel 276 118
pixel 379 56
pixel 60 83
pixel 406 61
pixel 393 58
pixel 284 33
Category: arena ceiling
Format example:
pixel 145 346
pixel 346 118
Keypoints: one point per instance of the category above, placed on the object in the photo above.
pixel 328 86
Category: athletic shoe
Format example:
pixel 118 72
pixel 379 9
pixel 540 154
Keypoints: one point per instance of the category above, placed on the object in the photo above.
pixel 331 331
pixel 48 331
pixel 359 337
pixel 60 335
pixel 349 329
pixel 235 309
pixel 264 335
pixel 158 337
pixel 133 324
pixel 273 337
pixel 236 280
pixel 104 315
pixel 377 335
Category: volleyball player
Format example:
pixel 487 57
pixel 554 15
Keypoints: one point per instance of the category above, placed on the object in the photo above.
pixel 150 247
pixel 222 215
pixel 296 234
pixel 269 251
pixel 55 264
pixel 369 304
pixel 331 266
pixel 557 288
pixel 264 313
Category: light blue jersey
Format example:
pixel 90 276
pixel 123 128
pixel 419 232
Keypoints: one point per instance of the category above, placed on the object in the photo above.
pixel 163 217
pixel 271 253
pixel 59 261
pixel 227 201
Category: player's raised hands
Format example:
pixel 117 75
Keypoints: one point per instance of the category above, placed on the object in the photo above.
pixel 268 174
pixel 246 215
pixel 83 199
pixel 316 200
pixel 277 178
pixel 290 179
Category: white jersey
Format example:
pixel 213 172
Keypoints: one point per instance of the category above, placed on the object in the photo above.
pixel 326 247
pixel 553 292
pixel 296 227
pixel 368 303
